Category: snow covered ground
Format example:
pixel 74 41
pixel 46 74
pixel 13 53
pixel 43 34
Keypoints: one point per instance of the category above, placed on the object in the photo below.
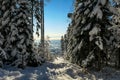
pixel 59 69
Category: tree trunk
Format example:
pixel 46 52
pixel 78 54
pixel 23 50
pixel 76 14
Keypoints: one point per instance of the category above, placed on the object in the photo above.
pixel 119 58
pixel 42 25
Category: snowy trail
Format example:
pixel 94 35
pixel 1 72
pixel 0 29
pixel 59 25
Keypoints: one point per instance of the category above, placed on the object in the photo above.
pixel 59 69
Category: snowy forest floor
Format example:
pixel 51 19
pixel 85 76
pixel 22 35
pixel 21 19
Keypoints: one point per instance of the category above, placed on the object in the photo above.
pixel 58 69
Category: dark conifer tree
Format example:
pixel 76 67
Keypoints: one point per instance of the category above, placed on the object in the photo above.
pixel 88 32
pixel 115 54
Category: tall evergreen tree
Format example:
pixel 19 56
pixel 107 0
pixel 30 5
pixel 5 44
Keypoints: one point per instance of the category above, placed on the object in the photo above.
pixel 19 39
pixel 90 23
pixel 4 24
pixel 62 44
pixel 16 32
pixel 115 54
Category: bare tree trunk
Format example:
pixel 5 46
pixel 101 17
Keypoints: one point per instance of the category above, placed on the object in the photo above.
pixel 119 58
pixel 42 25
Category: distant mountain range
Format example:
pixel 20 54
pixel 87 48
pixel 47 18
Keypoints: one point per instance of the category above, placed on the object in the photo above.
pixel 55 46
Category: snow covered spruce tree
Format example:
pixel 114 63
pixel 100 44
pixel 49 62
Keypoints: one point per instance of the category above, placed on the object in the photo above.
pixel 1 36
pixel 115 54
pixel 90 23
pixel 62 44
pixel 71 41
pixel 26 55
pixel 4 26
pixel 47 50
pixel 18 32
pixel 17 37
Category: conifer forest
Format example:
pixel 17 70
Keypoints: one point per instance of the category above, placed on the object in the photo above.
pixel 88 50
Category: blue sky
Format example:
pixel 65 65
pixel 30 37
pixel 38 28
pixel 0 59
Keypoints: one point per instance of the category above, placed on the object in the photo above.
pixel 56 21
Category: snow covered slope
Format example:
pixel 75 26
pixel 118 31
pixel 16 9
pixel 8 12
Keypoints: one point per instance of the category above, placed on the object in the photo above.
pixel 59 69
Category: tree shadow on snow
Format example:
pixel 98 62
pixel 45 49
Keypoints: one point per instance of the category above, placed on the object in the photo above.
pixel 107 73
pixel 31 73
